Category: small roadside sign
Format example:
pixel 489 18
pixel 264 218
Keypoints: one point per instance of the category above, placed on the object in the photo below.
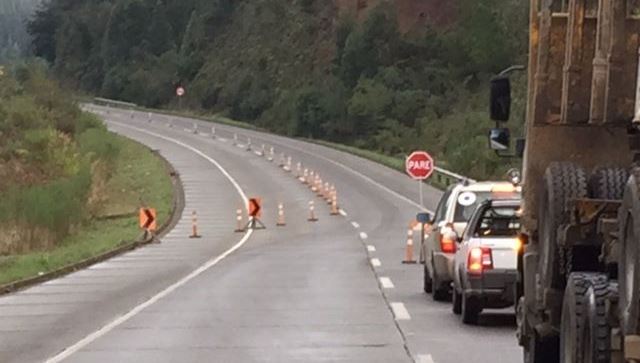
pixel 180 91
pixel 255 207
pixel 148 221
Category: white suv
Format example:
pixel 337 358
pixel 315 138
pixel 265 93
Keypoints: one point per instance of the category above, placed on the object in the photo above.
pixel 450 220
pixel 486 263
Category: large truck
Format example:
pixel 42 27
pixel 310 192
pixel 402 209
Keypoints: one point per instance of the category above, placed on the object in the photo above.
pixel 579 290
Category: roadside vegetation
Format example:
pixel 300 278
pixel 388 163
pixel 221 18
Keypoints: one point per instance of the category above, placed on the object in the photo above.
pixel 69 189
pixel 308 68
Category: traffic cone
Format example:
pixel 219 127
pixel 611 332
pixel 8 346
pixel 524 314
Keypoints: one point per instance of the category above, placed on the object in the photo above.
pixel 263 150
pixel 334 204
pixel 305 176
pixel 195 128
pixel 288 167
pixel 239 220
pixel 327 192
pixel 235 139
pixel 312 212
pixel 408 253
pixel 248 144
pixel 298 169
pixel 332 194
pixel 213 132
pixel 271 153
pixel 281 221
pixel 194 225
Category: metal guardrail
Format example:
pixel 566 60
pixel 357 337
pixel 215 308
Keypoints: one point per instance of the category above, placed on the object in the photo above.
pixel 107 102
pixel 445 177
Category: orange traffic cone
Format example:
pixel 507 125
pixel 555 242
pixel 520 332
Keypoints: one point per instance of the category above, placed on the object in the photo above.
pixel 334 204
pixel 331 194
pixel 408 254
pixel 239 221
pixel 312 212
pixel 281 221
pixel 194 225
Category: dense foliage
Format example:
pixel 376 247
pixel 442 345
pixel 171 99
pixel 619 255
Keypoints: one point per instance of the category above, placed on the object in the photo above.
pixel 297 67
pixel 14 39
pixel 51 156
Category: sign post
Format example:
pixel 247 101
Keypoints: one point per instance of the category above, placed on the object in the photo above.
pixel 419 166
pixel 255 212
pixel 180 92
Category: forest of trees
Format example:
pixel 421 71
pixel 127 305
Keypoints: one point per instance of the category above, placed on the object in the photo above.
pixel 14 39
pixel 298 68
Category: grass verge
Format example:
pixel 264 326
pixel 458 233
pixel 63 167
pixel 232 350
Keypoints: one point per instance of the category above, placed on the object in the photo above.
pixel 139 177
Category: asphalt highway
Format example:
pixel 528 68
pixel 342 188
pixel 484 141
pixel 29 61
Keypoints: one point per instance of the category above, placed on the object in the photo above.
pixel 331 290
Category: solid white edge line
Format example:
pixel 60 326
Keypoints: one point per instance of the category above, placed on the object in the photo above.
pixel 375 262
pixel 386 283
pixel 424 358
pixel 355 224
pixel 371 248
pixel 363 235
pixel 67 352
pixel 399 311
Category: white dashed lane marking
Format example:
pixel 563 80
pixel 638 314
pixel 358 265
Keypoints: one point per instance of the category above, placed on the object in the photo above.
pixel 371 248
pixel 355 224
pixel 424 358
pixel 376 262
pixel 399 311
pixel 343 212
pixel 363 235
pixel 386 283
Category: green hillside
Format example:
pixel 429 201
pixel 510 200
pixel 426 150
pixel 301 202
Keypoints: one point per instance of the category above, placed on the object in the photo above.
pixel 299 67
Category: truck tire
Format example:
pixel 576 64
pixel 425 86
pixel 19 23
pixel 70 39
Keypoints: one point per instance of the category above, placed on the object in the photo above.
pixel 471 309
pixel 572 340
pixel 562 182
pixel 597 332
pixel 628 268
pixel 608 183
pixel 428 283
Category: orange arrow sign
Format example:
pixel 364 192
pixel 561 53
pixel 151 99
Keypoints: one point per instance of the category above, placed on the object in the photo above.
pixel 148 219
pixel 255 207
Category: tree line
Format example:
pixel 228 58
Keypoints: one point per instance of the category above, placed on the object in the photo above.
pixel 297 68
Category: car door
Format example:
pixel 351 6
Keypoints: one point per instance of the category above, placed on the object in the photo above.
pixel 427 247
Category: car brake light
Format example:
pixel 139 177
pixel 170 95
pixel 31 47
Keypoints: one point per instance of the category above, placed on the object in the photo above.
pixel 479 260
pixel 447 244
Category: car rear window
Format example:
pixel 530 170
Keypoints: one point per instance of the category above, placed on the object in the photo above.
pixel 466 204
pixel 498 222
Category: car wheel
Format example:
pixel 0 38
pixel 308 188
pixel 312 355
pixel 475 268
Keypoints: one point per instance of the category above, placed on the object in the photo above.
pixel 471 309
pixel 428 283
pixel 440 290
pixel 456 298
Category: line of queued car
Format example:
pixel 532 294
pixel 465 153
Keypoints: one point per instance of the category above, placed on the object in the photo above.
pixel 471 251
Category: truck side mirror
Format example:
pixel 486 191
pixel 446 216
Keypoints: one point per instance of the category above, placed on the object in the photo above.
pixel 499 139
pixel 500 107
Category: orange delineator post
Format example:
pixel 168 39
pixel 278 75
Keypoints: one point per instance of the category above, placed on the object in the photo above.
pixel 194 225
pixel 240 223
pixel 408 256
pixel 281 221
pixel 312 212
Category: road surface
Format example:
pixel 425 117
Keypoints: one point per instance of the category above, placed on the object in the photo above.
pixel 333 290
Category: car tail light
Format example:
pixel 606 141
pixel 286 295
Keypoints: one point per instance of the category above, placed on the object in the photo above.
pixel 447 243
pixel 479 260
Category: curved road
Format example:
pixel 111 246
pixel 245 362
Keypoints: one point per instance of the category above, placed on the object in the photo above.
pixel 333 290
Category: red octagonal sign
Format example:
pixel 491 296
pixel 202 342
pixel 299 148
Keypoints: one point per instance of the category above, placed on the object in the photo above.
pixel 419 165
